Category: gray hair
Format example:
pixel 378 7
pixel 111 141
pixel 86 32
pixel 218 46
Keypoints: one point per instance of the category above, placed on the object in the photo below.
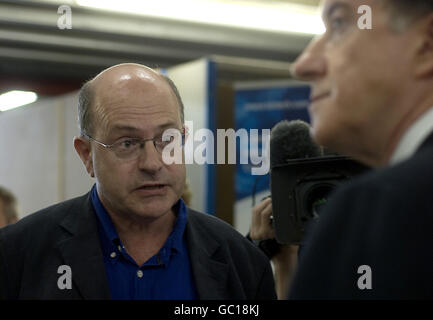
pixel 86 98
pixel 405 12
pixel 10 205
pixel 178 97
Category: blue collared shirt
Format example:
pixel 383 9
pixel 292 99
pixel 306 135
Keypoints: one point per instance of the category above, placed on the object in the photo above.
pixel 165 276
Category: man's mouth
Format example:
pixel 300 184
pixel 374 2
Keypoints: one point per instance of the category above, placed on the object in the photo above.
pixel 152 187
pixel 320 96
pixel 152 190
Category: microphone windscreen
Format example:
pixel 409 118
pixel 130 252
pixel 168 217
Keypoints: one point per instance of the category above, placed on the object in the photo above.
pixel 292 140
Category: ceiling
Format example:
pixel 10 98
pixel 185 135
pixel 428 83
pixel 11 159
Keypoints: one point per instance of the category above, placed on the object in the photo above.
pixel 36 55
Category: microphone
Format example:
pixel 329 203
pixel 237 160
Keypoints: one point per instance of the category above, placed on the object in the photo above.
pixel 292 140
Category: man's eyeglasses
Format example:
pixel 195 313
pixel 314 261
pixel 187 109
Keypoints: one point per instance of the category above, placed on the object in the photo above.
pixel 130 148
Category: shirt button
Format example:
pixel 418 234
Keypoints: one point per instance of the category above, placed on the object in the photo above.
pixel 139 273
pixel 113 255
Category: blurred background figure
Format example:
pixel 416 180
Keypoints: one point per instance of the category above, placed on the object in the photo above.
pixel 8 207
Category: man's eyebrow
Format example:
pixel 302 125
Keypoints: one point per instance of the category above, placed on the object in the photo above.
pixel 330 10
pixel 168 125
pixel 124 128
pixel 131 129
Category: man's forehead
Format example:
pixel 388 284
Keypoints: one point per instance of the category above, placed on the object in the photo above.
pixel 119 83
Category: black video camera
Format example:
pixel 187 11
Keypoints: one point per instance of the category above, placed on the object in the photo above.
pixel 300 188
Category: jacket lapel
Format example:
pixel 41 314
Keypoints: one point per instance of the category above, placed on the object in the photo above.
pixel 210 272
pixel 81 251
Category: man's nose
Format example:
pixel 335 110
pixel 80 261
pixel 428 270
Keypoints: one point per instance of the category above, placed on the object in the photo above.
pixel 150 159
pixel 311 64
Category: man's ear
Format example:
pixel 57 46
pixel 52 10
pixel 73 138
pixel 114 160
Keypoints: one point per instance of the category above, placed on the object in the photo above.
pixel 424 65
pixel 82 146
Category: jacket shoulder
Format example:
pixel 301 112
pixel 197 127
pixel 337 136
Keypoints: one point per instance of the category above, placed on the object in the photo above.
pixel 28 244
pixel 249 266
pixel 398 185
pixel 208 228
pixel 42 220
pixel 217 228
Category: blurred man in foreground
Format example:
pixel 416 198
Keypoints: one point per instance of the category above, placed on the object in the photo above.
pixel 372 99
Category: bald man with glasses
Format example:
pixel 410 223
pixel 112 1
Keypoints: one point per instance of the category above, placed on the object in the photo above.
pixel 131 237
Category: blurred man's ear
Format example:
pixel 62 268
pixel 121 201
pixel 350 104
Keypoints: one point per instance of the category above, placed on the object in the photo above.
pixel 424 65
pixel 82 146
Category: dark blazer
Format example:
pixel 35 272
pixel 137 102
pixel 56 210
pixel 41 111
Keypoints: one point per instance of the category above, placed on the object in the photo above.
pixel 225 265
pixel 383 219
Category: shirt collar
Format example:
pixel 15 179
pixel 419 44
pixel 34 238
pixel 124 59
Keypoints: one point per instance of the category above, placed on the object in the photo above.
pixel 103 217
pixel 413 138
pixel 174 240
pixel 176 236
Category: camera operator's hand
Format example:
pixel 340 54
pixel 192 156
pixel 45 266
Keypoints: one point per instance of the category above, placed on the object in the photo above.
pixel 286 259
pixel 261 224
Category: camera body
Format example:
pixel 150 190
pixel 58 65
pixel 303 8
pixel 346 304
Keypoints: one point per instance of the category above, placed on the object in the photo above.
pixel 300 189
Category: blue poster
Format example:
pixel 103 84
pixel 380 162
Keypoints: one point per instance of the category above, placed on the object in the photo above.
pixel 261 108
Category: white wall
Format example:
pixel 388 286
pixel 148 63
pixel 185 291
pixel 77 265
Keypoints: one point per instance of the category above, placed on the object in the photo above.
pixel 191 79
pixel 37 160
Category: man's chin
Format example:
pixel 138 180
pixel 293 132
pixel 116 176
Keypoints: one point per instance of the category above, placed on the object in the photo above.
pixel 317 134
pixel 155 208
pixel 325 137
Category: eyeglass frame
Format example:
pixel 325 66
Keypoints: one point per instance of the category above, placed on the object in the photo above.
pixel 142 142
